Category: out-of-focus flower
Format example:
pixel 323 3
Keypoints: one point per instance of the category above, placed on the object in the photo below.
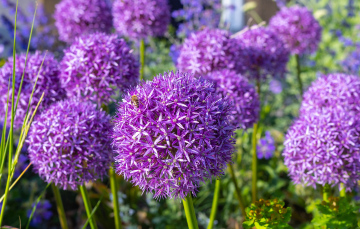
pixel 266 147
pixel 275 86
pixel 196 14
pixel 74 18
pixel 42 213
pixel 240 93
pixel 207 50
pixel 97 66
pixel 139 19
pixel 333 91
pixel 298 28
pixel 48 83
pixel 171 134
pixel 322 147
pixel 261 53
pixel 69 143
pixel 175 52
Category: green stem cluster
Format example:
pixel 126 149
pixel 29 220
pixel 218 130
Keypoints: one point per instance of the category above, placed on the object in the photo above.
pixel 114 191
pixel 214 204
pixel 87 205
pixel 190 212
pixel 60 207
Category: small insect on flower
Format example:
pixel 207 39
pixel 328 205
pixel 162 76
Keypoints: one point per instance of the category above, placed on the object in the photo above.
pixel 135 101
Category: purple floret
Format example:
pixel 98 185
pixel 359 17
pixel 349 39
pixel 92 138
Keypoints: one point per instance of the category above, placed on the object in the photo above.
pixel 298 28
pixel 76 17
pixel 138 19
pixel 96 67
pixel 266 147
pixel 48 82
pixel 333 91
pixel 207 50
pixel 240 93
pixel 70 144
pixel 322 147
pixel 261 53
pixel 177 137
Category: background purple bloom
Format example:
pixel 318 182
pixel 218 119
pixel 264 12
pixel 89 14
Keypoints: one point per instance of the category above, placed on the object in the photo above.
pixel 261 53
pixel 97 66
pixel 177 138
pixel 322 147
pixel 48 82
pixel 207 50
pixel 69 144
pixel 275 86
pixel 240 93
pixel 139 19
pixel 298 28
pixel 76 17
pixel 42 213
pixel 266 147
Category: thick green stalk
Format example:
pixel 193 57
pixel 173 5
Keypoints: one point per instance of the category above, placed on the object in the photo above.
pixel 60 207
pixel 254 156
pixel 114 191
pixel 343 190
pixel 326 192
pixel 88 207
pixel 142 58
pixel 214 204
pixel 190 212
pixel 298 74
pixel 237 190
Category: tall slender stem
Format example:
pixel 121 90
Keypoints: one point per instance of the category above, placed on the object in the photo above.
pixel 88 207
pixel 298 74
pixel 237 190
pixel 326 192
pixel 254 156
pixel 142 58
pixel 114 191
pixel 214 204
pixel 190 212
pixel 343 190
pixel 60 207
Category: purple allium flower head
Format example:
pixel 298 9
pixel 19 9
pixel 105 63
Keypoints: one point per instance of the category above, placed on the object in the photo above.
pixel 266 147
pixel 97 66
pixel 173 136
pixel 48 82
pixel 70 143
pixel 42 213
pixel 322 147
pixel 207 50
pixel 262 53
pixel 241 93
pixel 333 91
pixel 76 17
pixel 138 19
pixel 298 28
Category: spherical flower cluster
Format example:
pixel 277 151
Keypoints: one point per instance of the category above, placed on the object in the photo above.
pixel 333 91
pixel 171 134
pixel 97 66
pixel 207 50
pixel 138 19
pixel 323 148
pixel 266 147
pixel 298 28
pixel 240 93
pixel 48 83
pixel 76 17
pixel 262 53
pixel 70 143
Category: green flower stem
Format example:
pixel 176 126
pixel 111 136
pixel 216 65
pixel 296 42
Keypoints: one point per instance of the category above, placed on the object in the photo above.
pixel 343 190
pixel 326 192
pixel 142 58
pixel 88 207
pixel 214 204
pixel 237 190
pixel 60 207
pixel 190 212
pixel 254 156
pixel 298 74
pixel 114 191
